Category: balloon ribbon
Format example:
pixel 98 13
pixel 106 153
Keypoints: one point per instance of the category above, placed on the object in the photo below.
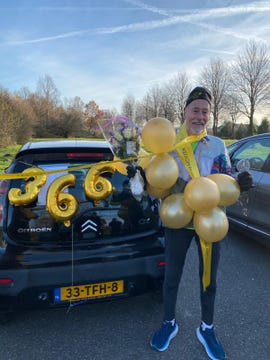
pixel 185 146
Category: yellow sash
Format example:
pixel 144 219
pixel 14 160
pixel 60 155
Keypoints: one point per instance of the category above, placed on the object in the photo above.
pixel 186 154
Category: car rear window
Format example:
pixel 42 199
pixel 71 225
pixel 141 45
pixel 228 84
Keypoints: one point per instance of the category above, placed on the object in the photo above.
pixel 118 214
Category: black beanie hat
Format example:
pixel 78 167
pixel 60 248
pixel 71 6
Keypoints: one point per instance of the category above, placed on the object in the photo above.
pixel 199 93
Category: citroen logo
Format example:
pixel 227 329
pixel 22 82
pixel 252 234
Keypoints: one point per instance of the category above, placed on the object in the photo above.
pixel 89 224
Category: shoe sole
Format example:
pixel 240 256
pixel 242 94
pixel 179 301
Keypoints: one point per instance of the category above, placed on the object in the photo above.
pixel 204 344
pixel 166 345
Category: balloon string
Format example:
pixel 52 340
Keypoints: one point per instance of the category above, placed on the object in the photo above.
pixel 72 266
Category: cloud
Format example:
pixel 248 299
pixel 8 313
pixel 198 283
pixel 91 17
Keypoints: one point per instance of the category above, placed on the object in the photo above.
pixel 195 17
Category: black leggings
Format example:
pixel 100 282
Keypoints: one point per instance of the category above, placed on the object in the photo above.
pixel 177 243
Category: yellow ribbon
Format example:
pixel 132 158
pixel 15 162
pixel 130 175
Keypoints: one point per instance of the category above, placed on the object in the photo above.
pixel 186 154
pixel 56 171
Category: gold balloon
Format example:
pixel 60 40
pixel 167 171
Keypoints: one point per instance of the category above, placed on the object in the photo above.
pixel 228 187
pixel 33 184
pixel 201 194
pixel 211 226
pixel 120 166
pixel 162 172
pixel 158 135
pixel 174 212
pixel 145 158
pixel 62 206
pixel 156 192
pixel 96 186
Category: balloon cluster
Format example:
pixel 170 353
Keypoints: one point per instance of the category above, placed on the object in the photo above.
pixel 202 196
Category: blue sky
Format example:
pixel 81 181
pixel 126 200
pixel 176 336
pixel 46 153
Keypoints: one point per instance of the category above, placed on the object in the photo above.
pixel 104 50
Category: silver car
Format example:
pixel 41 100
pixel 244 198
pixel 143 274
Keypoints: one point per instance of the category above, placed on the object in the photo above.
pixel 250 215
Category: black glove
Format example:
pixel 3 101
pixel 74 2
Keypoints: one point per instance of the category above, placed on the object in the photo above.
pixel 244 180
pixel 131 171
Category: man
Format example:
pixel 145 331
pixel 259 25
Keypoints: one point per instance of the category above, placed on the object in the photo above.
pixel 211 157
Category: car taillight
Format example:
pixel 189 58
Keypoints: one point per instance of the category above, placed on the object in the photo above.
pixel 85 155
pixel 161 263
pixel 6 281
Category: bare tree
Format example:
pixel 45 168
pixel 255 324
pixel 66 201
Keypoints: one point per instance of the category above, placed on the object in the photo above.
pixel 24 117
pixel 7 128
pixel 181 87
pixel 231 107
pixel 74 103
pixel 48 97
pixel 215 77
pixel 150 105
pixel 155 97
pixel 251 79
pixel 46 88
pixel 70 121
pixel 91 115
pixel 143 110
pixel 128 107
pixel 167 103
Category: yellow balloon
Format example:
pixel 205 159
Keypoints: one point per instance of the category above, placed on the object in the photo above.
pixel 156 192
pixel 162 172
pixel 228 187
pixel 201 194
pixel 145 158
pixel 62 206
pixel 120 166
pixel 174 212
pixel 158 135
pixel 211 226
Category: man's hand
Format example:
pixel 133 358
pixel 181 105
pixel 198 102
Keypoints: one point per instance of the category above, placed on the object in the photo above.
pixel 131 171
pixel 244 180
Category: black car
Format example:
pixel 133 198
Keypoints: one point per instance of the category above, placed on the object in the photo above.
pixel 250 215
pixel 112 247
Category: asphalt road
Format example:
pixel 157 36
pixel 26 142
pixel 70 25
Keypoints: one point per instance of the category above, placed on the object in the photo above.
pixel 121 330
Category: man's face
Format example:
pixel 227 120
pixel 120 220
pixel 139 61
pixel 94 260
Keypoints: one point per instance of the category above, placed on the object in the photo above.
pixel 197 114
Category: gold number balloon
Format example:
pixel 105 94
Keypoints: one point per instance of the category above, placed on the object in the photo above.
pixel 201 194
pixel 33 184
pixel 228 188
pixel 62 206
pixel 162 171
pixel 158 135
pixel 211 226
pixel 95 186
pixel 174 212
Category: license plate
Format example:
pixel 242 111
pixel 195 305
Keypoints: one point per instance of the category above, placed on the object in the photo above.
pixel 88 291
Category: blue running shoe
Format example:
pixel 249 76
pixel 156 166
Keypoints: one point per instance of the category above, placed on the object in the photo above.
pixel 162 337
pixel 211 344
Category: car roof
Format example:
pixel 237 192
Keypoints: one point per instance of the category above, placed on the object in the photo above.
pixel 255 136
pixel 48 144
pixel 44 145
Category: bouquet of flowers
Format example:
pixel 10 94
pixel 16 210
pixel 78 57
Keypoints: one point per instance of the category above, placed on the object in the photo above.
pixel 123 137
